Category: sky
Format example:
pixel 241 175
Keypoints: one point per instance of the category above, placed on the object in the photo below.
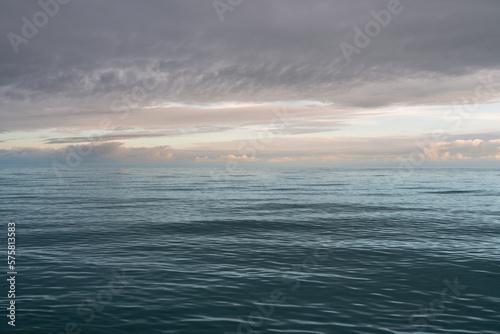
pixel 250 83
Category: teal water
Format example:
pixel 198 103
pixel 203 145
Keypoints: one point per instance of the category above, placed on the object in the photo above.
pixel 261 251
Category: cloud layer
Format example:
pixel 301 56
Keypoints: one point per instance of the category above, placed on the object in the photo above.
pixel 263 51
pixel 388 151
pixel 158 70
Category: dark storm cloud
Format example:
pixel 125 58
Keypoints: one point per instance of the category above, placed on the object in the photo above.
pixel 91 50
pixel 129 136
pixel 103 138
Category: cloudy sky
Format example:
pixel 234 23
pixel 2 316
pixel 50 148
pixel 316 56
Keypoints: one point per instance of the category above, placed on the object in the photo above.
pixel 256 82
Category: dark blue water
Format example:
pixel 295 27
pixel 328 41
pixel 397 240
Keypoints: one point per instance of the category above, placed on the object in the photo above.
pixel 262 251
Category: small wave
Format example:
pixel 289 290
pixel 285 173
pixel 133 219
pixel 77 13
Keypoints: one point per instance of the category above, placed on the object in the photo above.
pixel 454 192
pixel 324 185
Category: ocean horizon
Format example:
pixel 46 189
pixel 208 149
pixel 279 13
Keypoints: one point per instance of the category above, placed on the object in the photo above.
pixel 297 250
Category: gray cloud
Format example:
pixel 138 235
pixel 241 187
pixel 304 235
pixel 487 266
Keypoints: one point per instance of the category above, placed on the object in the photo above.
pixel 102 138
pixel 98 138
pixel 92 51
pixel 176 121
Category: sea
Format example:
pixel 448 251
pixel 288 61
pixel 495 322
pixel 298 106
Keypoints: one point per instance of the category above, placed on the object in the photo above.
pixel 260 250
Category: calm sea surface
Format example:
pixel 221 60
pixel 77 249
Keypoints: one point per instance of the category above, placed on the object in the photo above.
pixel 264 251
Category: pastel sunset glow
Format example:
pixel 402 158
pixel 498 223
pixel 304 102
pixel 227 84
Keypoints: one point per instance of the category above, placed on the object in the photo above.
pixel 171 84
